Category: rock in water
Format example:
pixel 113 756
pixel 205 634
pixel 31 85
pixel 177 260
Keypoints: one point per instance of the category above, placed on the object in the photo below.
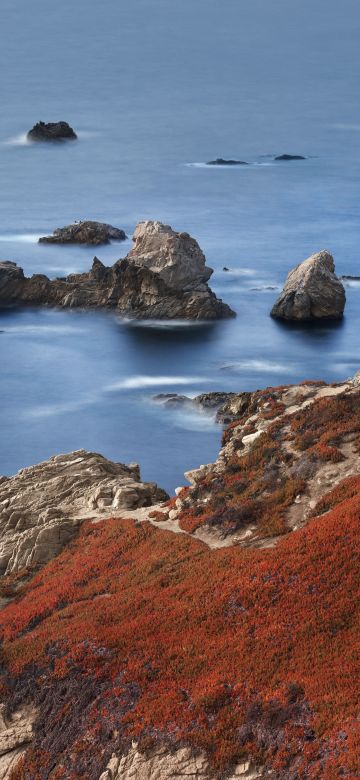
pixel 87 232
pixel 42 506
pixel 312 291
pixel 164 276
pixel 52 131
pixel 290 157
pixel 221 161
pixel 175 257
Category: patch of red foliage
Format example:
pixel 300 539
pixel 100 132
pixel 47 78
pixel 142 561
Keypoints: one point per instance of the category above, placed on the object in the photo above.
pixel 327 422
pixel 257 488
pixel 235 652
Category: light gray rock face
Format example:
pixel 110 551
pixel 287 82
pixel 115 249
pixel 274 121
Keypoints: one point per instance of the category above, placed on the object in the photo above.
pixel 175 257
pixel 162 765
pixel 164 276
pixel 42 506
pixel 16 732
pixel 312 291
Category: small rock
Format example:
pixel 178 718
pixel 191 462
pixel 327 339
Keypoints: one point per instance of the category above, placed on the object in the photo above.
pixel 290 157
pixel 221 161
pixel 87 232
pixel 52 131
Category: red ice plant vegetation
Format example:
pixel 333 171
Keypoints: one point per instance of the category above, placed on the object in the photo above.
pixel 256 488
pixel 137 632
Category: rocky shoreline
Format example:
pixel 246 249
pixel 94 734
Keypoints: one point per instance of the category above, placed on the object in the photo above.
pixel 288 455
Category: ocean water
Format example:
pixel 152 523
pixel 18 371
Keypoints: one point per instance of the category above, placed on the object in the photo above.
pixel 155 89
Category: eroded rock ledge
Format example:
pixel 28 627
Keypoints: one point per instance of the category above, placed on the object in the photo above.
pixel 42 506
pixel 161 765
pixel 164 276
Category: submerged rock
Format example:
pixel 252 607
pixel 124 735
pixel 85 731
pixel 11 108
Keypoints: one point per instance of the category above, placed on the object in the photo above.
pixel 312 291
pixel 87 232
pixel 164 276
pixel 42 506
pixel 221 161
pixel 52 131
pixel 290 157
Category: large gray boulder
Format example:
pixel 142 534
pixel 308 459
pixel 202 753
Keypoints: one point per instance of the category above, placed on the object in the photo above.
pixel 312 291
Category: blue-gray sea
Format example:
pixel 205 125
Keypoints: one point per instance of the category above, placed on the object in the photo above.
pixel 155 88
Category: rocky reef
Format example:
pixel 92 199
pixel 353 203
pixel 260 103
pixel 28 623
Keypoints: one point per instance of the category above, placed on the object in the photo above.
pixel 85 232
pixel 215 634
pixel 312 291
pixel 164 276
pixel 42 507
pixel 289 157
pixel 221 161
pixel 51 131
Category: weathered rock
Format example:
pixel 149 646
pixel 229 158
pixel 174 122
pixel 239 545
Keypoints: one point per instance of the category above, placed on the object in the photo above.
pixel 286 157
pixel 86 232
pixel 164 276
pixel 312 291
pixel 221 161
pixel 175 257
pixel 181 764
pixel 16 732
pixel 224 406
pixel 173 400
pixel 42 506
pixel 11 280
pixel 51 131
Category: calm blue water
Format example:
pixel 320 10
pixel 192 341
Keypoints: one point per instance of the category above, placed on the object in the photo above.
pixel 151 86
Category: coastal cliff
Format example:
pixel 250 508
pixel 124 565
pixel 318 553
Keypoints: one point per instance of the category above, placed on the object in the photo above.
pixel 213 634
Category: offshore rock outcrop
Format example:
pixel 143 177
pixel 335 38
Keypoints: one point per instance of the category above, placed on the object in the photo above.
pixel 52 131
pixel 221 161
pixel 42 506
pixel 312 291
pixel 288 157
pixel 164 276
pixel 85 232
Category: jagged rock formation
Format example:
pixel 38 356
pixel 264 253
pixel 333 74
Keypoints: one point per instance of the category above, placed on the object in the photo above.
pixel 85 232
pixel 164 276
pixel 162 765
pixel 312 291
pixel 42 506
pixel 51 131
